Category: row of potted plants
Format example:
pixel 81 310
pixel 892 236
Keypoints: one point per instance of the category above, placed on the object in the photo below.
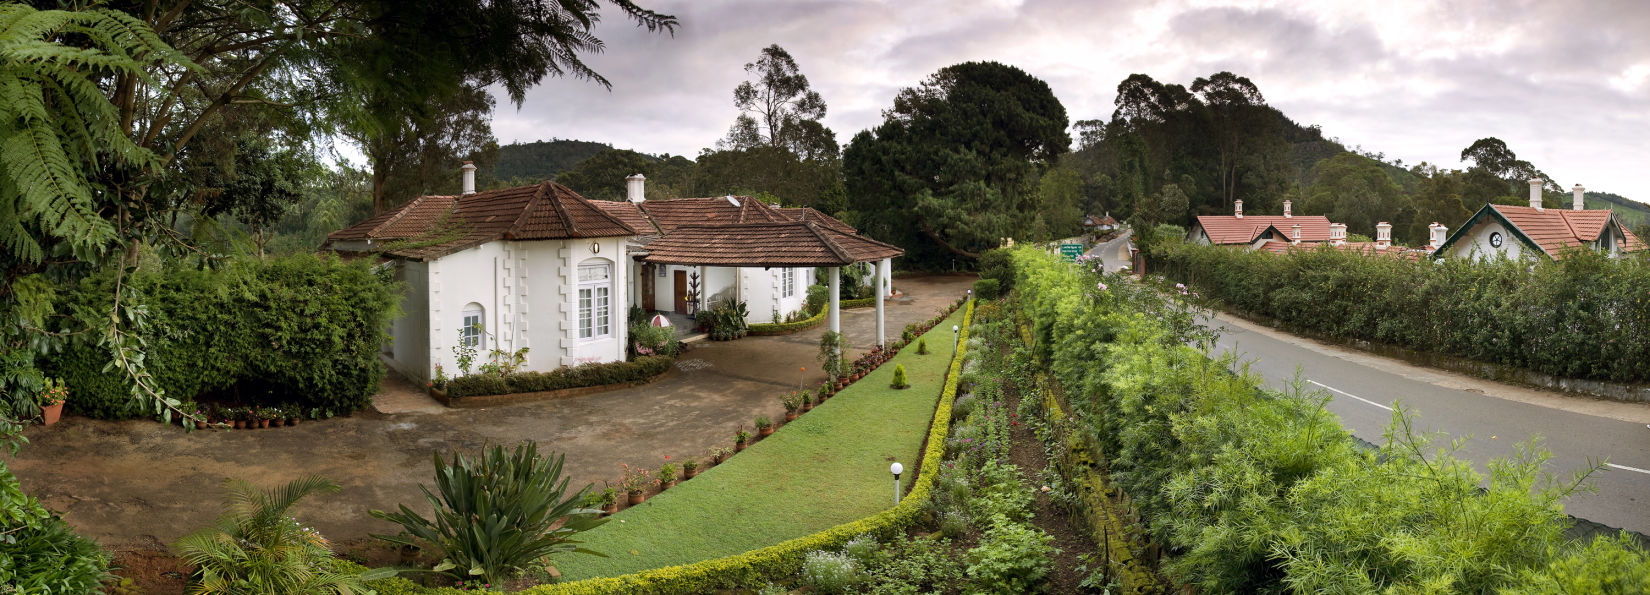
pixel 246 418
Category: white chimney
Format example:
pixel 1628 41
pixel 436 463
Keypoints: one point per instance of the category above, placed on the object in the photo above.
pixel 1535 193
pixel 469 177
pixel 1286 212
pixel 1237 205
pixel 1438 235
pixel 1337 233
pixel 1579 203
pixel 1383 235
pixel 1295 234
pixel 633 188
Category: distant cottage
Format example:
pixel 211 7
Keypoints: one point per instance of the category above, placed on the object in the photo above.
pixel 1501 231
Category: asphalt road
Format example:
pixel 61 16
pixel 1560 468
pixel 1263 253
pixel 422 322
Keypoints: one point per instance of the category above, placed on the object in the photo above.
pixel 1114 254
pixel 1497 417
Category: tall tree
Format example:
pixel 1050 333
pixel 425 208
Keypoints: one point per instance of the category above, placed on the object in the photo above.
pixel 420 152
pixel 1354 190
pixel 1232 100
pixel 953 167
pixel 779 109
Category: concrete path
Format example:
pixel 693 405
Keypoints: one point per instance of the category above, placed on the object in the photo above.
pixel 138 484
pixel 1365 387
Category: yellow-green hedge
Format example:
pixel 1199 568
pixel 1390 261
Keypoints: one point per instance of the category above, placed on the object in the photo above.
pixel 761 329
pixel 772 562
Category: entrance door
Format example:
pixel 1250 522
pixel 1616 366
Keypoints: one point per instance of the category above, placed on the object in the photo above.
pixel 647 287
pixel 681 292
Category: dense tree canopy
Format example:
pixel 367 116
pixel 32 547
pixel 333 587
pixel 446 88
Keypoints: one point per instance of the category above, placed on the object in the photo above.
pixel 954 167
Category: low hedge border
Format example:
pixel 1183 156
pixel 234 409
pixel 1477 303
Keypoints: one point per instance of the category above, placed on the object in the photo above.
pixel 640 370
pixel 786 328
pixel 774 561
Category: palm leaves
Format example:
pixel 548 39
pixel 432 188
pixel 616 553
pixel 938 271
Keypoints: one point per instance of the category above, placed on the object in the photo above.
pixel 255 547
pixel 496 514
pixel 57 126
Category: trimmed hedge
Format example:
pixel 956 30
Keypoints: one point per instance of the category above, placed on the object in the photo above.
pixel 759 566
pixel 760 329
pixel 637 370
pixel 300 329
pixel 1584 316
pixel 986 289
pixel 1254 490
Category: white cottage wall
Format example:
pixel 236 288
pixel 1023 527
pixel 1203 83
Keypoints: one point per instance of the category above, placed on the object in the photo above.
pixel 1476 244
pixel 456 280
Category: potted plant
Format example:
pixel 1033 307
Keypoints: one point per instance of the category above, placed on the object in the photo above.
pixel 690 468
pixel 667 476
pixel 262 416
pixel 609 501
pixel 200 419
pixel 740 438
pixel 237 417
pixel 764 426
pixel 635 482
pixel 294 414
pixel 719 454
pixel 51 400
pixel 792 403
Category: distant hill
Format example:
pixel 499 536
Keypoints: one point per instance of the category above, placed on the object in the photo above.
pixel 1634 213
pixel 543 160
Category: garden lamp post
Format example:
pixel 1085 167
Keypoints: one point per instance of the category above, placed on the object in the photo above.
pixel 896 468
pixel 953 340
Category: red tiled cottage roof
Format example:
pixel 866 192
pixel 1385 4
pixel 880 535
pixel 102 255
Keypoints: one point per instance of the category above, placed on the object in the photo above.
pixel 434 226
pixel 1230 229
pixel 813 215
pixel 668 214
pixel 789 243
pixel 629 213
pixel 1553 231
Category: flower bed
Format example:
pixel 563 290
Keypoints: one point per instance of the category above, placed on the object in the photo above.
pixel 641 370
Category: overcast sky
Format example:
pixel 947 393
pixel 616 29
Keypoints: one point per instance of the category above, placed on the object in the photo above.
pixel 1565 83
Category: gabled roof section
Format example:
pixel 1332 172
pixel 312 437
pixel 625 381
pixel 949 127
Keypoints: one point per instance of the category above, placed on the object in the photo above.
pixel 813 215
pixel 1549 231
pixel 668 214
pixel 1230 229
pixel 430 227
pixel 629 213
pixel 782 244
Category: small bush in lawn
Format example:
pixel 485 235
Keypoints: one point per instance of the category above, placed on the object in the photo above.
pixel 899 377
pixel 1011 558
pixel 832 572
pixel 922 346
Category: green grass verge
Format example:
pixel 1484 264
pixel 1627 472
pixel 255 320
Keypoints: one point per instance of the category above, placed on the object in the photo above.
pixel 826 468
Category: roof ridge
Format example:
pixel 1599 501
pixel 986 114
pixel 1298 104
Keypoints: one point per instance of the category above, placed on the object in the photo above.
pixel 1565 217
pixel 828 242
pixel 561 210
pixel 521 219
pixel 600 211
pixel 402 212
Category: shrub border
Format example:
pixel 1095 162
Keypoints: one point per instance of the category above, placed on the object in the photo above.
pixel 481 401
pixel 785 328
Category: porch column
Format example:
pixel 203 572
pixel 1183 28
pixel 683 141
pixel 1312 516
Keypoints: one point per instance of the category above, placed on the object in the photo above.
pixel 835 316
pixel 882 267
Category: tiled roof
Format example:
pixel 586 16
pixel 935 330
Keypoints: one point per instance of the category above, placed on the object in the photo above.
pixel 790 243
pixel 434 226
pixel 1230 229
pixel 814 215
pixel 668 214
pixel 629 213
pixel 1556 230
pixel 1632 243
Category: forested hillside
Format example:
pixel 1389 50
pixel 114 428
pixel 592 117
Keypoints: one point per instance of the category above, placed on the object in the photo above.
pixel 543 160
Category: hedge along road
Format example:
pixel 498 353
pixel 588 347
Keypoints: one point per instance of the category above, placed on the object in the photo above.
pixel 141 485
pixel 1366 387
pixel 828 467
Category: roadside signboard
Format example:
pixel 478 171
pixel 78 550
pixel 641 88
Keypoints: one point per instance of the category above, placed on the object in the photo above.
pixel 1070 252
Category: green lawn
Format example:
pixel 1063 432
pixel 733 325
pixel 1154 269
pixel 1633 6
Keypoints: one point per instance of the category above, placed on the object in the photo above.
pixel 826 468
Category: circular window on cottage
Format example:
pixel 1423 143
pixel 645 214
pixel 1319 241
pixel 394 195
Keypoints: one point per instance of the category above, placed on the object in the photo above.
pixel 1495 239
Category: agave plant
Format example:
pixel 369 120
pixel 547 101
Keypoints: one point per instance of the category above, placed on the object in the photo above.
pixel 496 514
pixel 255 547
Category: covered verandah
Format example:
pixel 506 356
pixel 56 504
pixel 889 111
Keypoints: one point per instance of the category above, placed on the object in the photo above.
pixel 779 244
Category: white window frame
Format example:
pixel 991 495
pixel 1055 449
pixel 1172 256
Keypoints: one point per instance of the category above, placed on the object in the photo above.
pixel 787 282
pixel 595 302
pixel 472 325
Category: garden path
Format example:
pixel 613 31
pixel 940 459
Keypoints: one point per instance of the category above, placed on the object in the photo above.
pixel 140 485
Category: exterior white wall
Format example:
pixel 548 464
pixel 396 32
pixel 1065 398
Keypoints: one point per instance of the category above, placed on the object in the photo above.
pixel 887 277
pixel 456 280
pixel 764 295
pixel 410 332
pixel 1476 243
pixel 664 288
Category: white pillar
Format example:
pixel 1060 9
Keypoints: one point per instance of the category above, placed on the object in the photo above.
pixel 835 316
pixel 882 267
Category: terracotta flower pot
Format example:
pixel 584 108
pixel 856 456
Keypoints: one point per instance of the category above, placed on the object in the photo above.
pixel 637 498
pixel 51 413
pixel 200 425
pixel 665 485
pixel 240 424
pixel 610 509
pixel 292 421
pixel 739 446
pixel 807 405
pixel 263 423
pixel 765 432
pixel 689 473
pixel 790 416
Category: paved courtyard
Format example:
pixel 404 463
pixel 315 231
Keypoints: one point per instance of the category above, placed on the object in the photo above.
pixel 138 484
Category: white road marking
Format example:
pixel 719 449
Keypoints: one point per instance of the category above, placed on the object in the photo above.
pixel 1626 468
pixel 1348 394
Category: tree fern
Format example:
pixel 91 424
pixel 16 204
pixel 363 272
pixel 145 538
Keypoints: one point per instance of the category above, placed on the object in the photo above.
pixel 57 126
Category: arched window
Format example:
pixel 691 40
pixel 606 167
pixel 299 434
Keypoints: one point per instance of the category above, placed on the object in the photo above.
pixel 595 299
pixel 472 325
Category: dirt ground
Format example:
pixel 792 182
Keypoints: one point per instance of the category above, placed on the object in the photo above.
pixel 136 486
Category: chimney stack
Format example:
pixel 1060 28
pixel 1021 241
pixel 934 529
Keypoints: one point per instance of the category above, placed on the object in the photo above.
pixel 1438 236
pixel 469 177
pixel 1337 233
pixel 1579 203
pixel 633 188
pixel 1535 193
pixel 1237 205
pixel 1295 234
pixel 1286 211
pixel 1383 235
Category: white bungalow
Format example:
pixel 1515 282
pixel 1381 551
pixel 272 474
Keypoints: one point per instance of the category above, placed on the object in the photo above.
pixel 1501 231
